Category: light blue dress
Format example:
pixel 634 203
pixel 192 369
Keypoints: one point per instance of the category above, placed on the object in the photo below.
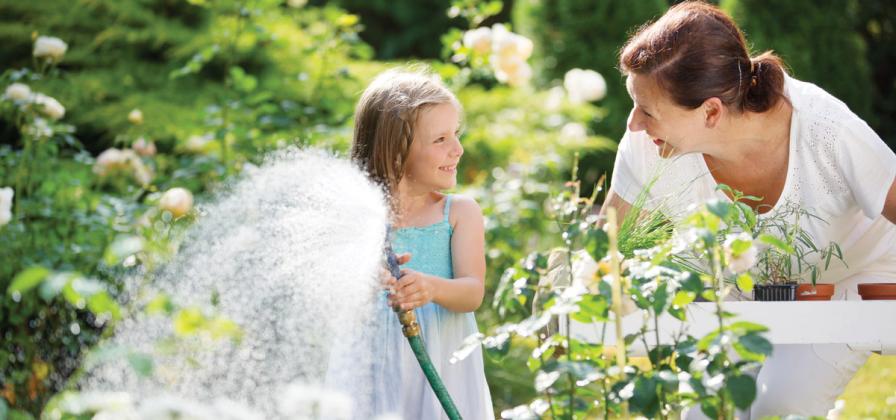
pixel 443 332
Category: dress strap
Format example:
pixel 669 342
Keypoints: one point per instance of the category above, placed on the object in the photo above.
pixel 447 206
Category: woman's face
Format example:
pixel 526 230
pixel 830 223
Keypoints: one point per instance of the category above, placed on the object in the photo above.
pixel 675 130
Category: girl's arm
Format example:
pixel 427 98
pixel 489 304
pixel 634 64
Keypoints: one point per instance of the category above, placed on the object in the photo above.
pixel 464 293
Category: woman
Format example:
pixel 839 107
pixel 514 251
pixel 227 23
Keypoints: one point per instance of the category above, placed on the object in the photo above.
pixel 706 113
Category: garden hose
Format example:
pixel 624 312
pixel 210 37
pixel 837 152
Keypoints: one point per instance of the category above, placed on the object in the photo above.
pixel 411 330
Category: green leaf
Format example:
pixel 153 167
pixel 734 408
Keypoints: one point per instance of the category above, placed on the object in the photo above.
pixel 749 214
pixel 27 280
pixel 121 248
pixel 719 208
pixel 160 304
pixel 742 389
pixel 188 321
pixel 141 363
pixel 745 327
pixel 739 246
pixel 756 343
pixel 745 283
pixel 683 298
pixel 645 397
pixel 776 242
pixel 101 303
pixel 52 286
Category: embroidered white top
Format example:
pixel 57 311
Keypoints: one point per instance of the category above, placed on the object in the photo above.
pixel 839 169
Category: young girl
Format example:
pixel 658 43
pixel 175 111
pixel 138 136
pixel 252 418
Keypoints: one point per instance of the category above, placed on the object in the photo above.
pixel 407 126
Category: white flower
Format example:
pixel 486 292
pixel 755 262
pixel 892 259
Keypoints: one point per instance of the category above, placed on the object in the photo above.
pixel 113 161
pixel 144 147
pixel 555 98
pixel 96 401
pixel 713 383
pixel 509 54
pixel 174 408
pixel 135 116
pixel 506 43
pixel 298 4
pixel 49 47
pixel 197 143
pixel 837 411
pixel 515 75
pixel 479 40
pixel 740 252
pixel 17 92
pixel 584 268
pixel 39 128
pixel 6 195
pixel 573 131
pixel 110 160
pixel 177 200
pixel 49 106
pixel 584 85
pixel 227 409
pixel 303 401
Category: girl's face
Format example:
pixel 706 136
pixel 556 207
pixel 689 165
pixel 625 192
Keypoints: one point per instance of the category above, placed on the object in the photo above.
pixel 675 130
pixel 435 150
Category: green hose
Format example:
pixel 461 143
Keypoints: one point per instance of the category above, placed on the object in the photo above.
pixel 433 377
pixel 412 331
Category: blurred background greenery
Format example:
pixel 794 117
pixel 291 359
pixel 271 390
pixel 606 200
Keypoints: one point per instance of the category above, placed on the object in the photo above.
pixel 219 83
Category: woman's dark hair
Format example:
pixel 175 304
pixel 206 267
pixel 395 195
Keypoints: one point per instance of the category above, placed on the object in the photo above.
pixel 696 52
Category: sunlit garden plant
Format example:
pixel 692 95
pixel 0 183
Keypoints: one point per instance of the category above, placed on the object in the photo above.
pixel 588 281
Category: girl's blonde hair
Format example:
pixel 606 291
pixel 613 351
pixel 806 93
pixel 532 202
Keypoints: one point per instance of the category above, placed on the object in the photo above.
pixel 386 117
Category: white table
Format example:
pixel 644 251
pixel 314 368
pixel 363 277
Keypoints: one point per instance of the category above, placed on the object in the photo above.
pixel 863 325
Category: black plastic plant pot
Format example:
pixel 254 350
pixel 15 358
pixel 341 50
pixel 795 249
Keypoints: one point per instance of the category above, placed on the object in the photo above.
pixel 774 292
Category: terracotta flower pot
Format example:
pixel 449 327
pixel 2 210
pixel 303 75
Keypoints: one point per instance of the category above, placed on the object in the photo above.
pixel 821 291
pixel 878 291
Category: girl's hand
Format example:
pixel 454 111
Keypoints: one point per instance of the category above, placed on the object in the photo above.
pixel 413 290
pixel 391 283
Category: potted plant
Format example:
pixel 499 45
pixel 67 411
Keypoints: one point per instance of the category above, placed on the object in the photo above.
pixel 791 263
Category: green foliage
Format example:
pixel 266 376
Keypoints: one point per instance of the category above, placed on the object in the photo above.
pixel 586 34
pixel 575 379
pixel 817 40
pixel 218 84
pixel 421 24
pixel 877 25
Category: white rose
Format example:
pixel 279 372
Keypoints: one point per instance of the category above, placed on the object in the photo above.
pixel 196 143
pixel 177 200
pixel 512 70
pixel 506 43
pixel 573 131
pixel 49 106
pixel 49 47
pixel 18 92
pixel 479 40
pixel 6 195
pixel 743 260
pixel 142 173
pixel 584 268
pixel 135 117
pixel 144 147
pixel 111 159
pixel 304 401
pixel 584 85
